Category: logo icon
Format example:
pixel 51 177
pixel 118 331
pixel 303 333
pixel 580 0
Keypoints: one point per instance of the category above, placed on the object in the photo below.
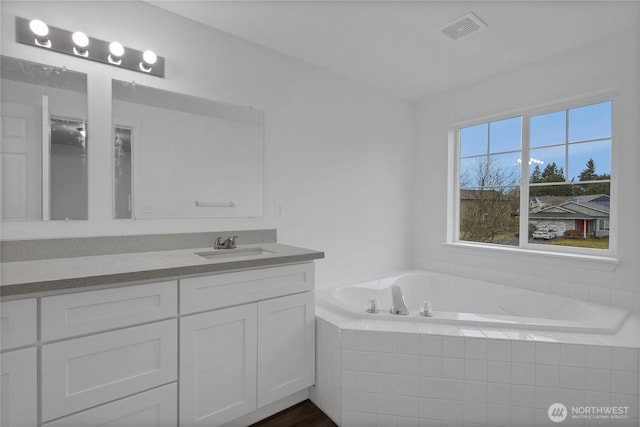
pixel 557 412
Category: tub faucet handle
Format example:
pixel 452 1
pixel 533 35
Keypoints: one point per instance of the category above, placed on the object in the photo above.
pixel 372 306
pixel 426 309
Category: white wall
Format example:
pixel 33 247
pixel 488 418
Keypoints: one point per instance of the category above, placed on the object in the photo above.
pixel 611 63
pixel 337 153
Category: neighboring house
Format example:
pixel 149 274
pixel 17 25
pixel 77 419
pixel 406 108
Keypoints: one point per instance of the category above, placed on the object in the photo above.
pixel 589 214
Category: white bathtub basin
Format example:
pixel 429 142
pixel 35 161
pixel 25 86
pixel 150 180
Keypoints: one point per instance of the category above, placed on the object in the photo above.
pixel 458 300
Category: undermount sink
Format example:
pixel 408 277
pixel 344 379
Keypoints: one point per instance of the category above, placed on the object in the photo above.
pixel 234 253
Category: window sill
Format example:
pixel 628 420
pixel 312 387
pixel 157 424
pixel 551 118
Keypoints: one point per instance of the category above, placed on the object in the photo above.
pixel 583 261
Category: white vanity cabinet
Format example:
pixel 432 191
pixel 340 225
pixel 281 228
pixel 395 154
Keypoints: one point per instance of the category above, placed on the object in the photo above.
pixel 18 367
pixel 235 360
pixel 198 351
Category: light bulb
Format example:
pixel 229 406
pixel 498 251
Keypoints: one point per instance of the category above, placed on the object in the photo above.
pixel 81 42
pixel 116 51
pixel 149 57
pixel 39 28
pixel 41 32
pixel 80 39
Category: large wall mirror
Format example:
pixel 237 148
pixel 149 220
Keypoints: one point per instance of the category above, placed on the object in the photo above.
pixel 179 156
pixel 43 142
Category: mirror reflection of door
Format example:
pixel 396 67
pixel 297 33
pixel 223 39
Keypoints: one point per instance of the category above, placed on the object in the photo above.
pixel 68 169
pixel 43 143
pixel 123 202
pixel 21 162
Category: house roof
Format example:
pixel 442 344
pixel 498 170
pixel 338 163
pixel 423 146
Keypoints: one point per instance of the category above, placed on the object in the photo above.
pixel 573 209
pixel 603 199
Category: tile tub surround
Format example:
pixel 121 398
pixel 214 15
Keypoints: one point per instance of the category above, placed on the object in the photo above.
pixel 389 378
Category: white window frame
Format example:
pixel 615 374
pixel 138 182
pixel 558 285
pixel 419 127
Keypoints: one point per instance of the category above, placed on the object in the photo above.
pixel 453 205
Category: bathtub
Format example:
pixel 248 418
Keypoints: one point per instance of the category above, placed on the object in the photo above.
pixel 492 355
pixel 462 301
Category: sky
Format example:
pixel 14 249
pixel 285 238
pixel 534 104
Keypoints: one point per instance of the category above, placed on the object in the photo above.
pixel 568 138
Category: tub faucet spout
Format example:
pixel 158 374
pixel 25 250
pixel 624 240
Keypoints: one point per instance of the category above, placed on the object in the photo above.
pixel 397 301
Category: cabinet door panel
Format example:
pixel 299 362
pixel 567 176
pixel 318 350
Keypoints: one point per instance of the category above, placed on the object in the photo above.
pixel 217 366
pixel 18 389
pixel 18 323
pixel 85 372
pixel 95 311
pixel 240 287
pixel 153 408
pixel 286 346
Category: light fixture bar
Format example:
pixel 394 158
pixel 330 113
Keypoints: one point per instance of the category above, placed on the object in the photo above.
pixel 61 41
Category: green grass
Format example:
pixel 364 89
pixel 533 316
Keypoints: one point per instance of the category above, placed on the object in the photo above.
pixel 589 242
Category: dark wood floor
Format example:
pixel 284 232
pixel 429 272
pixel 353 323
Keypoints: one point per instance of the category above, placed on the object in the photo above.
pixel 303 414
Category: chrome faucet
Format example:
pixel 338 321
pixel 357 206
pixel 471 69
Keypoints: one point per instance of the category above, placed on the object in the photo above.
pixel 230 243
pixel 397 301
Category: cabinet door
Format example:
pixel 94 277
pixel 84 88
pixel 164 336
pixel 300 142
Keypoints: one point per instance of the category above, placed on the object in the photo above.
pixel 286 346
pixel 217 366
pixel 89 371
pixel 19 388
pixel 153 408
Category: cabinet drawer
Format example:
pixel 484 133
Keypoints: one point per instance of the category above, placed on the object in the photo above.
pixel 226 289
pixel 153 408
pixel 95 311
pixel 19 391
pixel 18 323
pixel 89 371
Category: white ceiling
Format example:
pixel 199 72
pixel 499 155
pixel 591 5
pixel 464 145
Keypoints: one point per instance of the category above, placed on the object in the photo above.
pixel 396 46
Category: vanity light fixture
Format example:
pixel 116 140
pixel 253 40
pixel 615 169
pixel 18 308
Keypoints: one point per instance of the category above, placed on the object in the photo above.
pixel 78 44
pixel 116 50
pixel 81 42
pixel 41 31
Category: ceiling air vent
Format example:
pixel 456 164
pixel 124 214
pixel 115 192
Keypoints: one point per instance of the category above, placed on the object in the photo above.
pixel 463 27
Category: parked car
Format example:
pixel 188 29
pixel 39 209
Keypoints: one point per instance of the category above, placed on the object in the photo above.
pixel 546 234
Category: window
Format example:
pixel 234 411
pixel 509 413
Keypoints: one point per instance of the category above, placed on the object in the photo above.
pixel 558 199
